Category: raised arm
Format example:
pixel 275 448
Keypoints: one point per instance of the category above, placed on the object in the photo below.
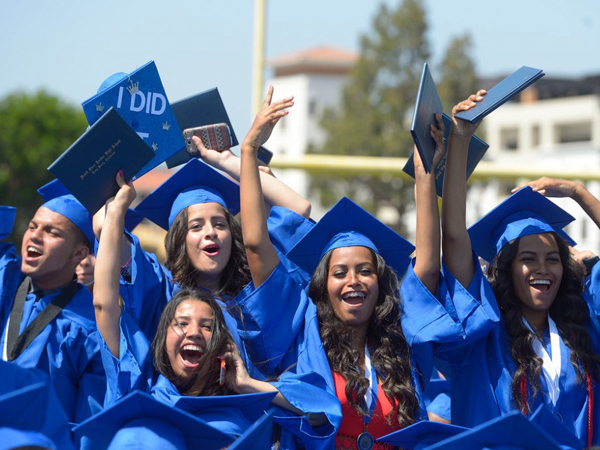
pixel 276 193
pixel 427 264
pixel 553 187
pixel 456 244
pixel 262 257
pixel 108 263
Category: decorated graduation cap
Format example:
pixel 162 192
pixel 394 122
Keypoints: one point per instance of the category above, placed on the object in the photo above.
pixel 233 414
pixel 196 182
pixel 422 434
pixel 258 436
pixel 60 200
pixel 7 220
pixel 524 213
pixel 348 225
pixel 510 432
pixel 11 438
pixel 140 421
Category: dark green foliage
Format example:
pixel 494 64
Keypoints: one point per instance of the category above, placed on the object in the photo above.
pixel 375 113
pixel 34 130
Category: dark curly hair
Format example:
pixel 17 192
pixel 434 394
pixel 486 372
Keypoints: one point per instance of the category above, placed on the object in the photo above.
pixel 206 382
pixel 391 357
pixel 569 311
pixel 234 276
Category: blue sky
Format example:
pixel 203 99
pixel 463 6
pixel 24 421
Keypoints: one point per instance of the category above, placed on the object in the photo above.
pixel 69 47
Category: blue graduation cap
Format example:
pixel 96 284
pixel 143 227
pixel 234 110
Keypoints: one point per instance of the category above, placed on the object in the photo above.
pixel 347 225
pixel 524 213
pixel 35 412
pixel 60 200
pixel 7 220
pixel 196 182
pixel 421 435
pixel 110 81
pixel 511 431
pixel 258 436
pixel 11 438
pixel 233 414
pixel 555 428
pixel 148 423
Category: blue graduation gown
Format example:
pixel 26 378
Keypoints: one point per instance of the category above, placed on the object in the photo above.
pixel 481 369
pixel 66 349
pixel 151 285
pixel 134 370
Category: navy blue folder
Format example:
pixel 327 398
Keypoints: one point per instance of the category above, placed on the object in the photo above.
pixel 428 104
pixel 477 149
pixel 205 108
pixel 501 93
pixel 89 166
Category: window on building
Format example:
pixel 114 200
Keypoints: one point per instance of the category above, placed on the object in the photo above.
pixel 509 138
pixel 312 107
pixel 573 132
pixel 535 136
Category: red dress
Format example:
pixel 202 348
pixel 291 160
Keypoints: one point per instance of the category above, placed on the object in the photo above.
pixel 352 422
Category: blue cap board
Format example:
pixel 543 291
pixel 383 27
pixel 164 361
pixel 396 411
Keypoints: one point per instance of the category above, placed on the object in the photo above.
pixel 11 438
pixel 549 422
pixel 258 436
pixel 59 200
pixel 233 414
pixel 7 220
pixel 524 213
pixel 421 434
pixel 196 182
pixel 510 432
pixel 140 421
pixel 347 225
pixel 35 411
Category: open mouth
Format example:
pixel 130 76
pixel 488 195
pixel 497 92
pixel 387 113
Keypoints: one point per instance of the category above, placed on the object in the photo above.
pixel 354 297
pixel 540 285
pixel 191 354
pixel 33 253
pixel 211 250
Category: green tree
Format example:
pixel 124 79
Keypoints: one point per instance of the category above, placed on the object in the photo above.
pixel 458 79
pixel 34 130
pixel 377 102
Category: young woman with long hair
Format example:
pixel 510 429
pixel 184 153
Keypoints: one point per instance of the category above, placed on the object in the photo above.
pixel 193 353
pixel 541 343
pixel 349 327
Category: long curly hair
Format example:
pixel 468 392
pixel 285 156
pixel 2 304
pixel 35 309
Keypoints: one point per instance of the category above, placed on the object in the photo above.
pixel 391 355
pixel 569 311
pixel 234 276
pixel 206 382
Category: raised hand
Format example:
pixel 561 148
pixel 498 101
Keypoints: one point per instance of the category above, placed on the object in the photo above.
pixel 462 127
pixel 552 187
pixel 266 119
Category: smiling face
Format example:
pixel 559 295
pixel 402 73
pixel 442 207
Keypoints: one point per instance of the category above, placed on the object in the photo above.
pixel 208 241
pixel 187 338
pixel 51 249
pixel 352 285
pixel 537 273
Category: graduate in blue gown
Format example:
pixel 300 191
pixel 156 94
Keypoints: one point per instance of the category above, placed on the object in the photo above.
pixel 193 353
pixel 543 346
pixel 348 326
pixel 63 345
pixel 211 257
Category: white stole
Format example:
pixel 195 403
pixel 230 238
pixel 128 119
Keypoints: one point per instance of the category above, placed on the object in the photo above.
pixel 551 363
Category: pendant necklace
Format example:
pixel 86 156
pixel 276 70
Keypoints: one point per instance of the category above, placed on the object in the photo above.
pixel 365 440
